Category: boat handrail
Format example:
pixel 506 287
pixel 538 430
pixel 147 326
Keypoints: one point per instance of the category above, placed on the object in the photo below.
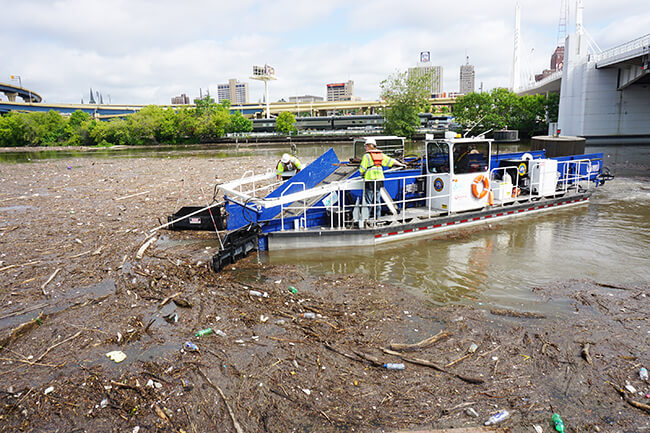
pixel 569 178
pixel 513 184
pixel 304 207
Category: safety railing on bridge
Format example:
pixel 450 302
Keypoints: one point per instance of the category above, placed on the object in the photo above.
pixel 643 41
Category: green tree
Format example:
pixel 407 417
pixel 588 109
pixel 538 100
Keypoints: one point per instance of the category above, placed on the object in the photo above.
pixel 501 108
pixel 13 130
pixel 406 96
pixel 285 123
pixel 77 130
pixel 238 123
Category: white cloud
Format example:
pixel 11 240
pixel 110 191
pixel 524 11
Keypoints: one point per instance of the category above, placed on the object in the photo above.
pixel 146 51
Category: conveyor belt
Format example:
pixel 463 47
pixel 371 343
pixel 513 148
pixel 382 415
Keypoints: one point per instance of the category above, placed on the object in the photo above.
pixel 341 173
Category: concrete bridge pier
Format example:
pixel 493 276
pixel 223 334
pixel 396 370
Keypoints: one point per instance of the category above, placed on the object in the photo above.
pixel 11 96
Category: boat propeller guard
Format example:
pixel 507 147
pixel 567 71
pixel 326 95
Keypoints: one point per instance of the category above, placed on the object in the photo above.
pixel 236 245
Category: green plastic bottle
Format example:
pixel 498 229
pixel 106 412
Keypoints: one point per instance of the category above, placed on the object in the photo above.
pixel 202 332
pixel 293 289
pixel 559 424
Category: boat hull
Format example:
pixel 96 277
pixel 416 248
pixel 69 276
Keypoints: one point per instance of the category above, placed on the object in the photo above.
pixel 341 237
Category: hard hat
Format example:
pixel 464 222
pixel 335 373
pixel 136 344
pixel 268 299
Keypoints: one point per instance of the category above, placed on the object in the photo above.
pixel 371 141
pixel 286 158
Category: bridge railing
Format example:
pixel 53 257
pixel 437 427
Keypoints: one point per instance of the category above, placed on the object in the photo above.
pixel 551 77
pixel 643 41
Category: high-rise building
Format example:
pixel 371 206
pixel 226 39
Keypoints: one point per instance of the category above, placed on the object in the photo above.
pixel 435 76
pixel 234 91
pixel 466 78
pixel 340 91
pixel 182 99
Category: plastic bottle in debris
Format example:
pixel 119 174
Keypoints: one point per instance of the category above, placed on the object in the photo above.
pixel 191 346
pixel 497 417
pixel 394 366
pixel 308 315
pixel 258 293
pixel 293 290
pixel 559 424
pixel 202 332
pixel 643 374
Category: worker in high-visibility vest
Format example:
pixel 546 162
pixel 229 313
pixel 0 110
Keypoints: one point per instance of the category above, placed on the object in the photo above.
pixel 372 170
pixel 287 163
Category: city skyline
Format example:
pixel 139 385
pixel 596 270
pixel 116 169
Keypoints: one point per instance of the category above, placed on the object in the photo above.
pixel 143 52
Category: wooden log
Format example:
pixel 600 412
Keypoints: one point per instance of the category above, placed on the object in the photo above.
pixel 428 342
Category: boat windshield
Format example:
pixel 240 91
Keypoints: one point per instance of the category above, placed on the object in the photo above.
pixel 471 157
pixel 437 157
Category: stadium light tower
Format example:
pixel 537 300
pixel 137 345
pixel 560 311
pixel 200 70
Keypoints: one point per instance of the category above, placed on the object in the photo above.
pixel 264 73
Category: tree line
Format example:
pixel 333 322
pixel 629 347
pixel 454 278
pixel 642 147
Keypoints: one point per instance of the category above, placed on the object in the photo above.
pixel 150 125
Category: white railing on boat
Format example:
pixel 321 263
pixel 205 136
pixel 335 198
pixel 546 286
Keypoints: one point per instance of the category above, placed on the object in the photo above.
pixel 571 178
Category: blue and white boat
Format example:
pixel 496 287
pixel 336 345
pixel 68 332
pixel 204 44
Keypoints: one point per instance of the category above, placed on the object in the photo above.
pixel 454 183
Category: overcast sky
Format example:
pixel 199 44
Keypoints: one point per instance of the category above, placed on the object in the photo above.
pixel 146 51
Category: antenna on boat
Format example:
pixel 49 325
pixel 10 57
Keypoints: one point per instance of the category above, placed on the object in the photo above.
pixel 474 125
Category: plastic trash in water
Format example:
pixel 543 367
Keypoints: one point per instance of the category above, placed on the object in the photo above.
pixel 191 346
pixel 220 333
pixel 308 315
pixel 472 348
pixel 393 366
pixel 643 374
pixel 559 424
pixel 258 293
pixel 202 332
pixel 116 356
pixel 293 289
pixel 497 417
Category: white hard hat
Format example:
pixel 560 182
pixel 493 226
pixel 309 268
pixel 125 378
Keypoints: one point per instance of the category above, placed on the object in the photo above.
pixel 286 158
pixel 371 141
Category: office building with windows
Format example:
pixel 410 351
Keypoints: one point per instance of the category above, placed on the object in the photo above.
pixel 435 76
pixel 340 91
pixel 233 91
pixel 466 78
pixel 182 99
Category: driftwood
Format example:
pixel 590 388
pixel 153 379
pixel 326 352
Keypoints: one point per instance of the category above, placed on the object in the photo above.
pixel 19 265
pixel 629 401
pixel 48 280
pixel 238 428
pixel 512 313
pixel 56 345
pixel 419 345
pixel 144 247
pixel 425 363
pixel 167 299
pixel 132 195
pixel 20 330
pixel 460 430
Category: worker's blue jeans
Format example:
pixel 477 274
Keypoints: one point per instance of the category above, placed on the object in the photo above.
pixel 372 198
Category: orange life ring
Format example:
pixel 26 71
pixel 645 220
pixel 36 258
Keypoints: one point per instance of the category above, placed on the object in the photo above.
pixel 486 186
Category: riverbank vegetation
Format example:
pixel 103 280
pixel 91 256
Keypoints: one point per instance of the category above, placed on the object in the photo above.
pixel 501 109
pixel 151 125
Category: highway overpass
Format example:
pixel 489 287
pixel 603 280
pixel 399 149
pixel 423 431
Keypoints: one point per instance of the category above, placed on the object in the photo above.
pixel 249 110
pixel 11 92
